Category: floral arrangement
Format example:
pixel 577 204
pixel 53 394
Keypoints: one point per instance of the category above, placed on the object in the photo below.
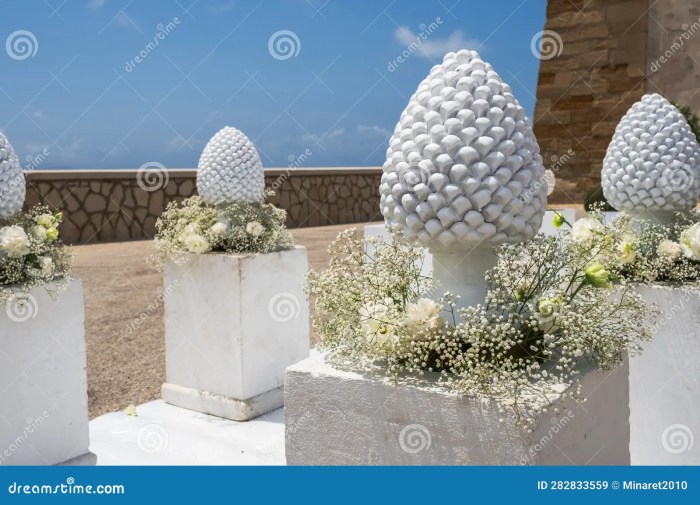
pixel 32 255
pixel 551 311
pixel 235 227
pixel 649 252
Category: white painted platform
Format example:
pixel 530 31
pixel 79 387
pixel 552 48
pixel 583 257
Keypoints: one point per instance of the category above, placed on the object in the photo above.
pixel 162 434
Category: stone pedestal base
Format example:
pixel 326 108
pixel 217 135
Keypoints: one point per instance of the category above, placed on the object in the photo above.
pixel 43 385
pixel 233 323
pixel 336 417
pixel 665 382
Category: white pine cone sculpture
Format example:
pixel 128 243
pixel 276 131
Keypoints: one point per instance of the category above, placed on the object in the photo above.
pixel 12 185
pixel 653 159
pixel 463 166
pixel 230 169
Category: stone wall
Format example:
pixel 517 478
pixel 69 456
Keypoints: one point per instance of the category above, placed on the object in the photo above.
pixel 117 205
pixel 583 92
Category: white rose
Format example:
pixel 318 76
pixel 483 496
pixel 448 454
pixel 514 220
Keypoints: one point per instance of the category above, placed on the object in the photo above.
pixel 669 249
pixel 254 228
pixel 628 250
pixel 547 311
pixel 196 243
pixel 423 317
pixel 14 241
pixel 690 242
pixel 47 221
pixel 586 229
pixel 219 228
pixel 39 232
pixel 46 265
pixel 377 325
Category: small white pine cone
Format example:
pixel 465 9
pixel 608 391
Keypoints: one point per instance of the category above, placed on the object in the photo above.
pixel 230 169
pixel 12 185
pixel 653 159
pixel 463 166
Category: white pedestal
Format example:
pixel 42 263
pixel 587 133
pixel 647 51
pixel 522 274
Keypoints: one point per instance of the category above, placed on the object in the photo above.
pixel 43 385
pixel 665 382
pixel 233 323
pixel 464 274
pixel 338 417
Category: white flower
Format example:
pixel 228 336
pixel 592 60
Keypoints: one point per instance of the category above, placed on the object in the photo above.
pixel 47 221
pixel 46 265
pixel 219 228
pixel 377 325
pixel 690 242
pixel 14 241
pixel 254 228
pixel 669 249
pixel 586 229
pixel 196 243
pixel 547 310
pixel 423 317
pixel 627 249
pixel 39 232
pixel 191 229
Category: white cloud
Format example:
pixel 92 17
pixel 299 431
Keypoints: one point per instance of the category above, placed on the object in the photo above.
pixel 377 130
pixel 95 4
pixel 221 7
pixel 316 138
pixel 431 46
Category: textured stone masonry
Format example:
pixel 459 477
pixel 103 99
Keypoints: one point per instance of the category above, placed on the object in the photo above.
pixel 111 205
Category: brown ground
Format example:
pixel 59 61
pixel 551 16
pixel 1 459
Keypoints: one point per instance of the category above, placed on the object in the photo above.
pixel 125 353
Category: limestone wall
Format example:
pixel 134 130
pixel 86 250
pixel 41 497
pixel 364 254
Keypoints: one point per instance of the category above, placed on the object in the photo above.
pixel 583 92
pixel 116 205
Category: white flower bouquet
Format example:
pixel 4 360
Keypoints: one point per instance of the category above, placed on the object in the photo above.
pixel 551 311
pixel 32 255
pixel 650 253
pixel 197 227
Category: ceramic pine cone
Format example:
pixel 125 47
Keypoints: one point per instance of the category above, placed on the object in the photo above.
pixel 463 165
pixel 230 169
pixel 653 159
pixel 12 186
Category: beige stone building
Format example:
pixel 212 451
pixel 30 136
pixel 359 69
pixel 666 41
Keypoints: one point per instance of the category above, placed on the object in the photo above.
pixel 602 56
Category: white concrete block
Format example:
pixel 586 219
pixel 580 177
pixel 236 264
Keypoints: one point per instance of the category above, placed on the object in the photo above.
pixel 43 384
pixel 338 417
pixel 665 382
pixel 233 323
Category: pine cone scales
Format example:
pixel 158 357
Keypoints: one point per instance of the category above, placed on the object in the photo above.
pixel 652 160
pixel 230 169
pixel 463 165
pixel 12 185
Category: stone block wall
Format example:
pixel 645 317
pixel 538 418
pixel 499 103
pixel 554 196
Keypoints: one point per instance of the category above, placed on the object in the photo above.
pixel 116 205
pixel 611 53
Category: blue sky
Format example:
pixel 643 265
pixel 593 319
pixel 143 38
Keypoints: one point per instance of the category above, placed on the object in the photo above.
pixel 333 87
